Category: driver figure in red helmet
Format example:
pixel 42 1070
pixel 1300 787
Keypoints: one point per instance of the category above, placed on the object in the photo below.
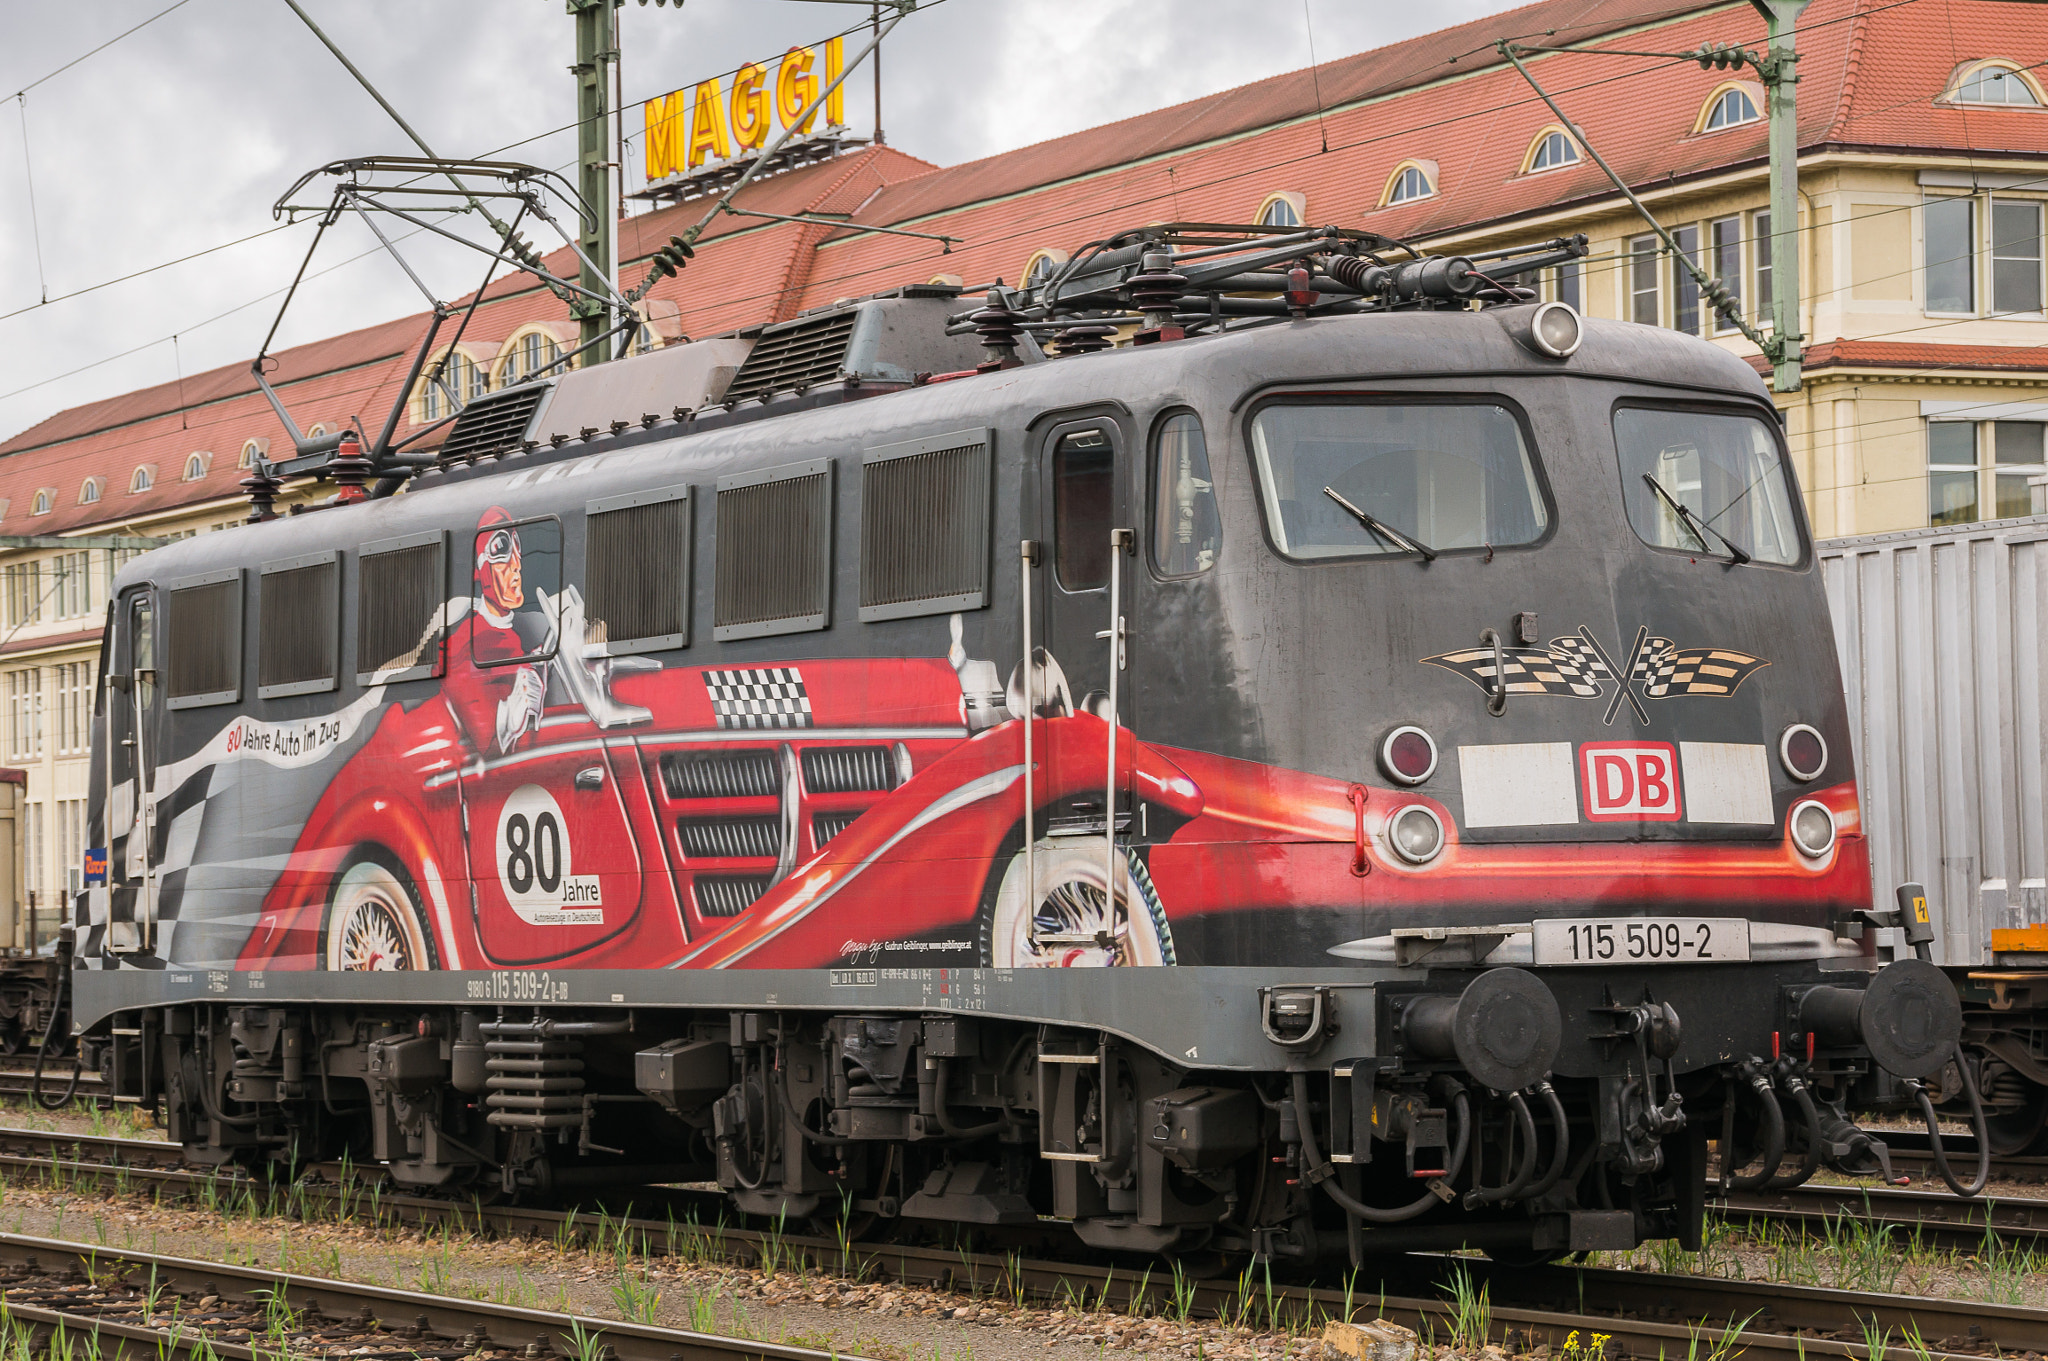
pixel 497 699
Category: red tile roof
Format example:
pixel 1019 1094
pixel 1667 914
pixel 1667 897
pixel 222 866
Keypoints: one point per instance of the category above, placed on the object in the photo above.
pixel 1924 356
pixel 1443 97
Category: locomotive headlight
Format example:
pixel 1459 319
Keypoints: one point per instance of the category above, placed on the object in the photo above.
pixel 1813 828
pixel 1408 754
pixel 1803 751
pixel 1416 834
pixel 1555 329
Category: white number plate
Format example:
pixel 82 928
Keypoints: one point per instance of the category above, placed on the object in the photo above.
pixel 1641 940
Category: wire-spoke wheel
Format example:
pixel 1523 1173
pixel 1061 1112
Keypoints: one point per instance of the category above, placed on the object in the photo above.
pixel 373 920
pixel 1075 921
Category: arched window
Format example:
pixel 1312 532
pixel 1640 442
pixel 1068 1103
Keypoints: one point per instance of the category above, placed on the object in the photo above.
pixel 537 352
pixel 946 281
pixel 144 477
pixel 1552 148
pixel 41 505
pixel 89 492
pixel 1994 82
pixel 195 467
pixel 475 379
pixel 317 431
pixel 1410 181
pixel 1282 210
pixel 1041 266
pixel 1728 107
pixel 251 451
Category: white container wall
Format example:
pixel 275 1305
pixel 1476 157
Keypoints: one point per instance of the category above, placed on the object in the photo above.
pixel 1944 650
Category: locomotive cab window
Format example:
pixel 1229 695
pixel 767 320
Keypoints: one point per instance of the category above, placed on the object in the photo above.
pixel 1083 504
pixel 1186 531
pixel 1433 477
pixel 1709 482
pixel 518 579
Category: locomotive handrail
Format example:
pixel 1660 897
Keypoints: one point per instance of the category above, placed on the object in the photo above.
pixel 1027 559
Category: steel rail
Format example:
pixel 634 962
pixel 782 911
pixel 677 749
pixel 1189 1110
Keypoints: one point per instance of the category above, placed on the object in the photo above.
pixel 440 1325
pixel 1937 1218
pixel 1642 1313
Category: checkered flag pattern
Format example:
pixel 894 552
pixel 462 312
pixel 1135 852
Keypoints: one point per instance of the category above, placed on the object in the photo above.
pixel 1567 667
pixel 759 697
pixel 1666 669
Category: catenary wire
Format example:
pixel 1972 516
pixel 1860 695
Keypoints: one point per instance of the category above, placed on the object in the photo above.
pixel 101 48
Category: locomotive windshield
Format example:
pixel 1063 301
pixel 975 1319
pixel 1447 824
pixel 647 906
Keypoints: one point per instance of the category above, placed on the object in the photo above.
pixel 1439 475
pixel 1712 482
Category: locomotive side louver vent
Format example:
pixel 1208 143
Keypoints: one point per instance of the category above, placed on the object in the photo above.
pixel 203 631
pixel 848 770
pixel 728 895
pixel 298 625
pixel 794 355
pixel 826 826
pixel 731 838
pixel 774 559
pixel 728 775
pixel 492 424
pixel 924 526
pixel 637 582
pixel 401 586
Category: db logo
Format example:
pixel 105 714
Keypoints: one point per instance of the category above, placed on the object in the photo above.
pixel 1630 781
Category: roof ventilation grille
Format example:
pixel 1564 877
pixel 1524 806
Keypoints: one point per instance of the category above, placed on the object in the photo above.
pixel 806 353
pixel 493 424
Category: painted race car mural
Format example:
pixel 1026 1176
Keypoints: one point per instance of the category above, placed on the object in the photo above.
pixel 625 814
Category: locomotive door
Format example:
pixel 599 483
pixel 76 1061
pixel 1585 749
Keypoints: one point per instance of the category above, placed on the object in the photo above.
pixel 551 850
pixel 1080 877
pixel 134 717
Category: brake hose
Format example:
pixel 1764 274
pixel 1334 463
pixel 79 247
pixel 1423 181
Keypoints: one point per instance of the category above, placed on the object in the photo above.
pixel 1325 1175
pixel 1802 1096
pixel 1512 1187
pixel 803 1126
pixel 1562 1155
pixel 35 1085
pixel 946 1121
pixel 1774 1137
pixel 1979 1129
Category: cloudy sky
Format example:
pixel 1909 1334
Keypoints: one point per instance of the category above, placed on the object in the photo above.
pixel 180 137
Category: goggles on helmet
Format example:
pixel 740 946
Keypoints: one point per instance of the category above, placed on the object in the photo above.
pixel 499 547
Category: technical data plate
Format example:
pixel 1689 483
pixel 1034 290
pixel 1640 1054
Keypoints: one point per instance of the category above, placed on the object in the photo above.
pixel 1640 940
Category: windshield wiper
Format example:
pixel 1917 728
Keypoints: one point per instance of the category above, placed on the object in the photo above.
pixel 1694 524
pixel 1385 531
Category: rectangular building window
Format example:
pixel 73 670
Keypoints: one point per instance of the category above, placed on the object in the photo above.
pixel 74 706
pixel 70 857
pixel 298 635
pixel 33 853
pixel 22 584
pixel 1685 289
pixel 2015 256
pixel 203 627
pixel 924 526
pixel 1760 252
pixel 1951 472
pixel 69 580
pixel 1951 254
pixel 774 552
pixel 25 714
pixel 1727 265
pixel 401 589
pixel 1645 307
pixel 1564 285
pixel 2017 449
pixel 636 571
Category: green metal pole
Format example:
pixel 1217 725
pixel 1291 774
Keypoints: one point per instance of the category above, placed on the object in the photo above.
pixel 1780 72
pixel 596 48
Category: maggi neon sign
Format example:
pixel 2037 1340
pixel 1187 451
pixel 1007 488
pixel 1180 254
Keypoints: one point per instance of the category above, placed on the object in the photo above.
pixel 709 121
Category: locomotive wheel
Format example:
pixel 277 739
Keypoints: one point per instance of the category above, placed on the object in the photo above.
pixel 1070 875
pixel 373 919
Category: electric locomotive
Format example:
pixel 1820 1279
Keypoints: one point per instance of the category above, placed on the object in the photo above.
pixel 1359 766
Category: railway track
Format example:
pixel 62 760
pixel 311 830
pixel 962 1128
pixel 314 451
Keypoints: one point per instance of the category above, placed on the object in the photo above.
pixel 1938 1218
pixel 121 1303
pixel 1642 1314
